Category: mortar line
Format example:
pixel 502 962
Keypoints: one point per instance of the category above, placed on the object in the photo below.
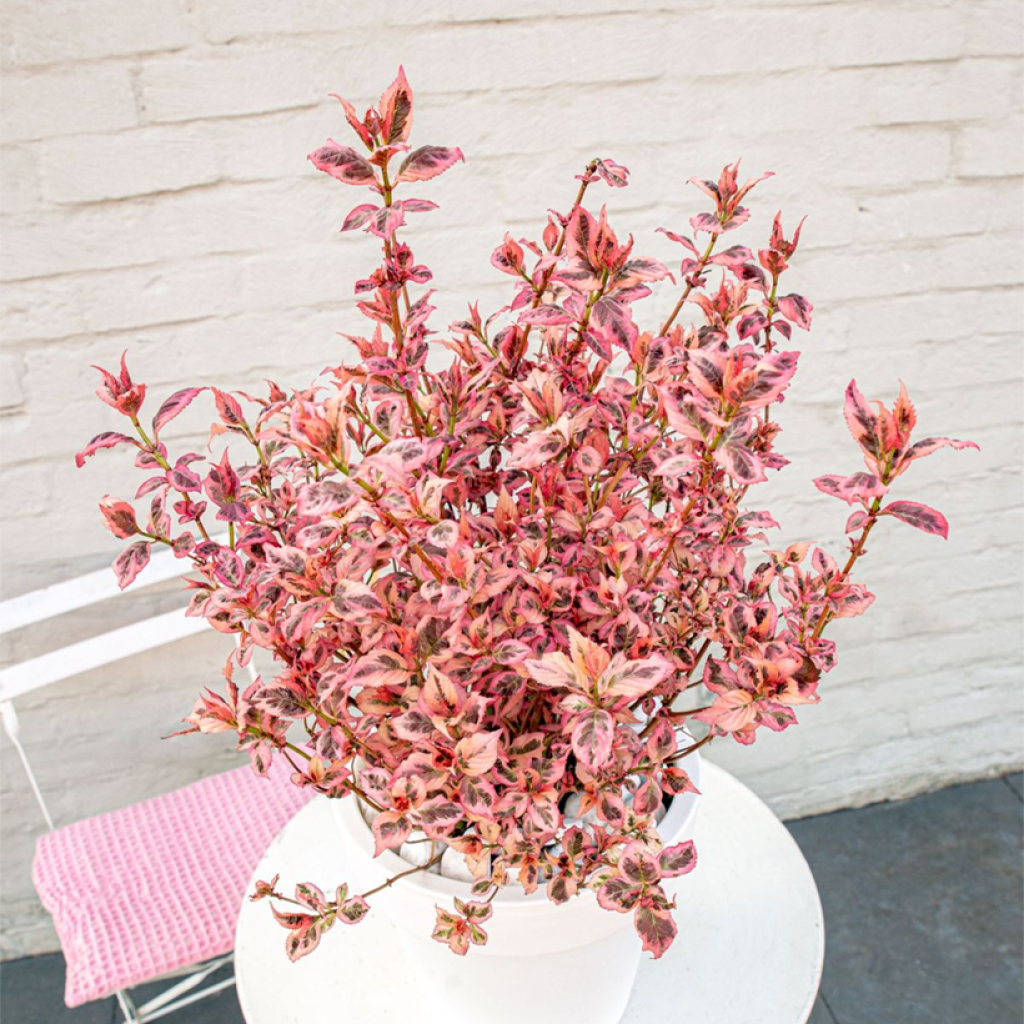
pixel 1006 782
pixel 828 1007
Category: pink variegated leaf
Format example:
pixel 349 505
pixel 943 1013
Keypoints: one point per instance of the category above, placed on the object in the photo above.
pixel 381 668
pixel 443 535
pixel 681 239
pixel 283 698
pixel 610 172
pixel 536 449
pixel 428 162
pixel 229 410
pixel 390 830
pixel 342 163
pixel 546 315
pixel 858 488
pixel 750 324
pixel 863 422
pixel 177 403
pixel 675 466
pixel 396 110
pixel 356 601
pixel 302 941
pixel 704 370
pixel 611 808
pixel 740 463
pixel 478 797
pixel 108 439
pixel 288 919
pixel 310 896
pixel 359 216
pixel 119 517
pixel 640 269
pixel 632 679
pixel 353 119
pixel 592 735
pixel 856 521
pixel 678 860
pixel 707 222
pixel 286 559
pixel 797 309
pixel 619 895
pixel 929 445
pixel 613 320
pixel 639 865
pixel 353 910
pixel 734 256
pixel 921 516
pixel 510 652
pixel 555 671
pixel 661 743
pixel 476 754
pixel 131 562
pixel 852 600
pixel 387 220
pixel 766 381
pixel 413 726
pixel 437 817
pixel 656 928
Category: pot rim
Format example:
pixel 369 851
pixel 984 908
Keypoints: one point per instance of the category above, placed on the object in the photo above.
pixel 678 817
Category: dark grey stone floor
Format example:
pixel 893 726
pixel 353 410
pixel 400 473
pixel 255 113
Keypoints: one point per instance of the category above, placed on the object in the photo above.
pixel 924 915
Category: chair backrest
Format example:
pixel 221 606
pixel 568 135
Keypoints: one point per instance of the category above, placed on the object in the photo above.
pixel 84 655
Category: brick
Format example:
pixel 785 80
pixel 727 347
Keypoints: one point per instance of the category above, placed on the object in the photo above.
pixel 163 294
pixel 888 157
pixel 97 167
pixel 623 43
pixel 19 182
pixel 723 42
pixel 990 150
pixel 12 396
pixel 95 98
pixel 68 30
pixel 40 310
pixel 90 238
pixel 224 21
pixel 967 90
pixel 995 28
pixel 256 81
pixel 894 34
pixel 913 319
pixel 934 212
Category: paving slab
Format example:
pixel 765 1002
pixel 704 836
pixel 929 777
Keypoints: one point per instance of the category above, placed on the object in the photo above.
pixel 1016 783
pixel 32 992
pixel 923 907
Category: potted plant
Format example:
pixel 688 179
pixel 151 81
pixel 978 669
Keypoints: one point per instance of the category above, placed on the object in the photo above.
pixel 500 594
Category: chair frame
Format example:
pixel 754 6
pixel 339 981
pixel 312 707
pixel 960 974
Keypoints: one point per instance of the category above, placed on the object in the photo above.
pixel 83 656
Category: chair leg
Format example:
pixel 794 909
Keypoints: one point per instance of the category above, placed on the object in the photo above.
pixel 177 996
pixel 127 1007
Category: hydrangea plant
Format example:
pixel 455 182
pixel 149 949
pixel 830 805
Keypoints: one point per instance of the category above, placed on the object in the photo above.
pixel 496 586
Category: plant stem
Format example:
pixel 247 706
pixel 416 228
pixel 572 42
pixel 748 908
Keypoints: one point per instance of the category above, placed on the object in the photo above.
pixel 403 874
pixel 689 286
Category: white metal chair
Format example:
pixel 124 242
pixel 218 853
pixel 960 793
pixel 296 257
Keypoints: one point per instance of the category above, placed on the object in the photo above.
pixel 133 835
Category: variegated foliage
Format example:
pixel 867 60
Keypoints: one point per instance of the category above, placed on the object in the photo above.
pixel 494 587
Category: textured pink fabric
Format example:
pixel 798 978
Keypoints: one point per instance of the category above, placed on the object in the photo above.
pixel 156 886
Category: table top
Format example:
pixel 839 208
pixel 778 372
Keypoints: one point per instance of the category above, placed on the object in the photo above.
pixel 751 938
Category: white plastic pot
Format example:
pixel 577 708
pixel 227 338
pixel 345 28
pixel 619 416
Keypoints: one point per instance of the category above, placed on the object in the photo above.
pixel 543 963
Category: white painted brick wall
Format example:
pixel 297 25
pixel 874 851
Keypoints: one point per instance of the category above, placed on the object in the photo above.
pixel 155 195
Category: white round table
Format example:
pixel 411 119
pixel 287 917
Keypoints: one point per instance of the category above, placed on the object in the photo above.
pixel 750 948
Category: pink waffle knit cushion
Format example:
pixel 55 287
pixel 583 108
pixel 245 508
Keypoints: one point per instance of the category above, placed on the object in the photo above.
pixel 141 891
